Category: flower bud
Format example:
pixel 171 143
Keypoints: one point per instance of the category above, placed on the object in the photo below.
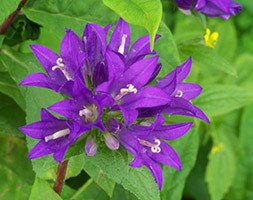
pixel 111 142
pixel 90 146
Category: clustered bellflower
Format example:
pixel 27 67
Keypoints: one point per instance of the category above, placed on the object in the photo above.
pixel 108 96
pixel 212 8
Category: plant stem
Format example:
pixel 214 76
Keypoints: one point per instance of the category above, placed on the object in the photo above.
pixel 80 190
pixel 61 172
pixel 4 27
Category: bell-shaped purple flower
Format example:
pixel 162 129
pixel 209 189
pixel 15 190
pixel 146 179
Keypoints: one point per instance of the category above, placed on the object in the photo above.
pixel 60 70
pixel 181 93
pixel 147 145
pixel 126 90
pixel 55 136
pixel 212 8
pixel 84 108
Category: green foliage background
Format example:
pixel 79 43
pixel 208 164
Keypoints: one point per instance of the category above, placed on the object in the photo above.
pixel 225 73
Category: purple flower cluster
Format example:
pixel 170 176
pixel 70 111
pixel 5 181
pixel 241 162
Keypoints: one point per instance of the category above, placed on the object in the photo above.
pixel 107 97
pixel 212 8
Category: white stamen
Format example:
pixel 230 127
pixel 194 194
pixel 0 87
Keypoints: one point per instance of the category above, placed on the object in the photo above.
pixel 59 65
pixel 85 112
pixel 122 45
pixel 155 148
pixel 84 39
pixel 179 93
pixel 57 135
pixel 124 91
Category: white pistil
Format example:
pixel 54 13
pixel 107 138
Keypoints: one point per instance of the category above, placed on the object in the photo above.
pixel 89 113
pixel 179 93
pixel 85 112
pixel 122 44
pixel 155 148
pixel 57 135
pixel 59 65
pixel 130 88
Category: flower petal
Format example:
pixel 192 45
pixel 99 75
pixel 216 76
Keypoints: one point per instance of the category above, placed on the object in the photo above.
pixel 39 80
pixel 189 90
pixel 120 38
pixel 46 57
pixel 167 156
pixel 140 49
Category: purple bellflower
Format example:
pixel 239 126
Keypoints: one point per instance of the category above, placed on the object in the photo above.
pixel 107 96
pixel 60 70
pixel 146 143
pixel 180 93
pixel 212 8
pixel 55 136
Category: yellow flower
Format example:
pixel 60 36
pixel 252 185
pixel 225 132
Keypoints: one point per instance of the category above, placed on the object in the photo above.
pixel 211 38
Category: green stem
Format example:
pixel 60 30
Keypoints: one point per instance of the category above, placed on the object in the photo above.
pixel 81 189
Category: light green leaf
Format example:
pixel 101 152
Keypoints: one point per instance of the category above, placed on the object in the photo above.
pixel 243 65
pixel 6 8
pixel 11 186
pixel 221 166
pixel 207 58
pixel 174 181
pixel 15 170
pixel 243 183
pixel 220 99
pixel 41 190
pixel 166 48
pixel 100 177
pixel 146 13
pixel 115 165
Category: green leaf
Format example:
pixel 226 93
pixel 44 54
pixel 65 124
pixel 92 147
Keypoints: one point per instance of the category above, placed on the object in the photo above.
pixel 10 88
pixel 174 181
pixel 166 48
pixel 146 13
pixel 12 186
pixel 1 40
pixel 220 99
pixel 221 166
pixel 41 190
pixel 58 15
pixel 114 164
pixel 207 58
pixel 15 170
pixel 11 117
pixel 100 178
pixel 243 184
pixel 6 8
pixel 90 191
pixel 243 65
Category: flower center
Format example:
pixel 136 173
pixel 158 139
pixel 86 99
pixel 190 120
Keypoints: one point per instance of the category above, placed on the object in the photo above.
pixel 122 44
pixel 57 135
pixel 179 93
pixel 90 113
pixel 59 65
pixel 130 88
pixel 155 148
